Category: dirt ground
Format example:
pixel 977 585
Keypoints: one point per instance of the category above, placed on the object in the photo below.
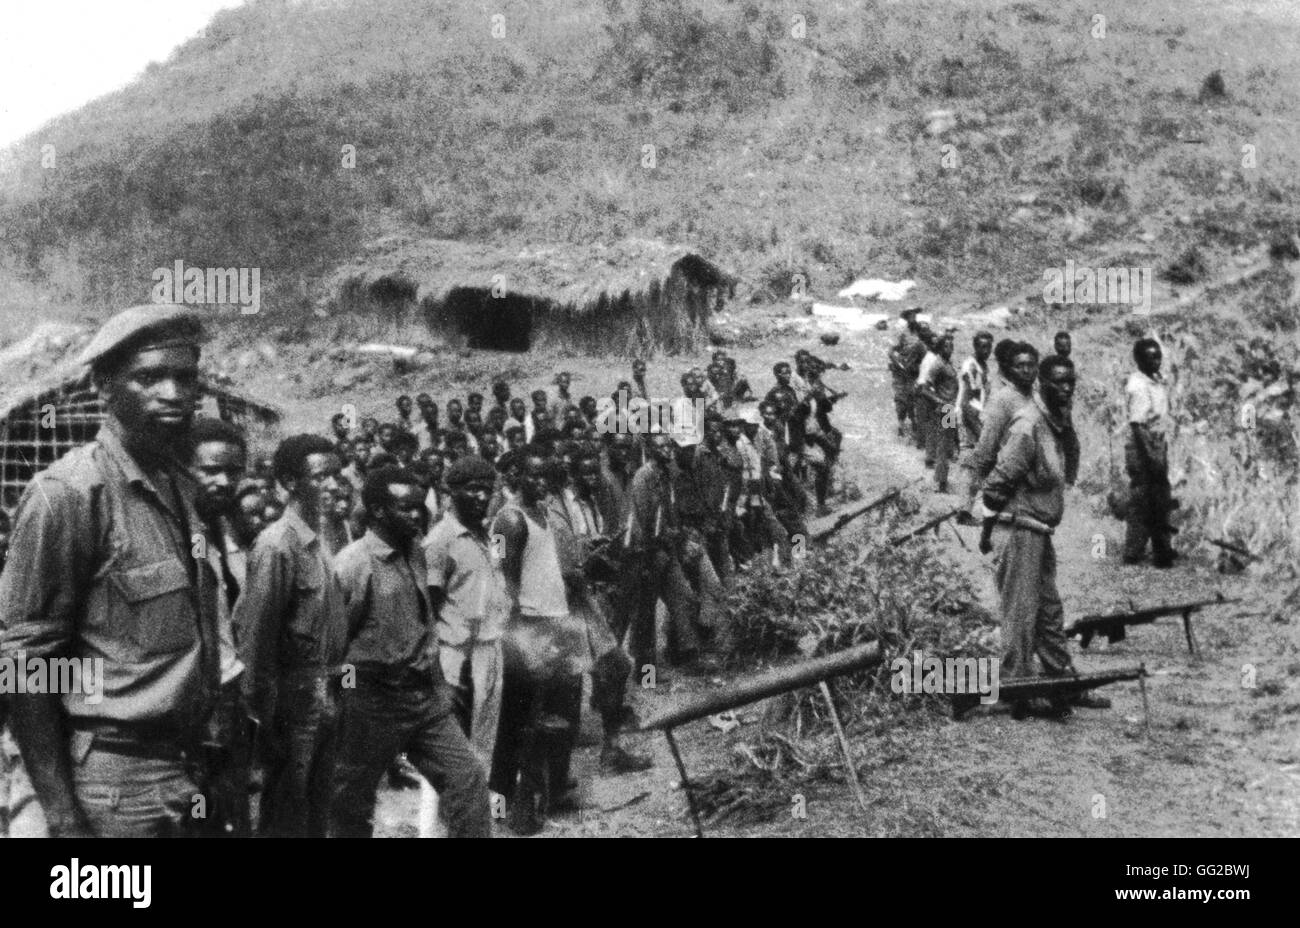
pixel 1221 757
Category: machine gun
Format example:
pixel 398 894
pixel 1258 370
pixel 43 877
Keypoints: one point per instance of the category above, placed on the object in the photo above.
pixel 1055 688
pixel 927 526
pixel 1115 626
pixel 845 518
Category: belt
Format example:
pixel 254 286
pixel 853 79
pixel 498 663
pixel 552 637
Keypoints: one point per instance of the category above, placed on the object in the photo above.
pixel 406 678
pixel 129 740
pixel 1018 520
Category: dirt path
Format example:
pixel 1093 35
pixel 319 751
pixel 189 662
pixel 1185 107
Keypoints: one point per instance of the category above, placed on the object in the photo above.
pixel 1221 759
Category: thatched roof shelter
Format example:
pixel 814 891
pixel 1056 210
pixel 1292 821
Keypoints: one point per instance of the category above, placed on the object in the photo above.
pixel 641 292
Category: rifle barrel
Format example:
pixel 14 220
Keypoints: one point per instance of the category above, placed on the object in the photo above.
pixel 780 680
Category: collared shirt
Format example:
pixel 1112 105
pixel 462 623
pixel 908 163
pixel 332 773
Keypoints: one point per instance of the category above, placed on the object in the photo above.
pixel 461 564
pixel 1030 474
pixel 997 418
pixel 583 515
pixel 941 378
pixel 389 617
pixel 291 614
pixel 927 363
pixel 972 379
pixel 1148 401
pixel 653 507
pixel 101 566
pixel 718 477
pixel 236 563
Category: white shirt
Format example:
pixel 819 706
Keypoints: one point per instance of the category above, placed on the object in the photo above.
pixel 1148 401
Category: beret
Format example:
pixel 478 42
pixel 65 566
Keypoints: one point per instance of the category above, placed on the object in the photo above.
pixel 149 323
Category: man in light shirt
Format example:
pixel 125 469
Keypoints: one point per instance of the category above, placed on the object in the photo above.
pixel 1146 458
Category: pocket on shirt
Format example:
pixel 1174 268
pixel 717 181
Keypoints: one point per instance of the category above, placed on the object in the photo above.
pixel 157 612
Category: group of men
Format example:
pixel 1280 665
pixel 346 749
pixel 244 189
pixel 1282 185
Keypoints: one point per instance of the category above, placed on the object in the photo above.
pixel 1019 453
pixel 285 627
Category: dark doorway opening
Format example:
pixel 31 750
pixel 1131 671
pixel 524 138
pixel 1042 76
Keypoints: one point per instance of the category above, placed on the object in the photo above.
pixel 494 323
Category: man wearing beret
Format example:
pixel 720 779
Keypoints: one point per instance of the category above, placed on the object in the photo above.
pixel 103 566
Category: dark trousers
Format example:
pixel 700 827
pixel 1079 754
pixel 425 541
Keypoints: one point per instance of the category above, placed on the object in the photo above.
pixel 379 722
pixel 945 445
pixel 230 767
pixel 647 578
pixel 1148 510
pixel 303 740
pixel 921 420
pixel 536 735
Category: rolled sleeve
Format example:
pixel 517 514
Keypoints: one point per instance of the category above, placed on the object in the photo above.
pixel 1013 464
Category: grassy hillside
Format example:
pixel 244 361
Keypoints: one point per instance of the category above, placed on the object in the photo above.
pixel 779 144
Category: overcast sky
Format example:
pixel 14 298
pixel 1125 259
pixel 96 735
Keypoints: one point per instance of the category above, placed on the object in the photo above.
pixel 56 55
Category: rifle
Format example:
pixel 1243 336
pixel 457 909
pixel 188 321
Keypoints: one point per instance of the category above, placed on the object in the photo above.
pixel 847 517
pixel 1114 626
pixel 1233 549
pixel 926 526
pixel 1050 687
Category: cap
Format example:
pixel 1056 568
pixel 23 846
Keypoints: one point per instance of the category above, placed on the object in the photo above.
pixel 150 324
pixel 910 312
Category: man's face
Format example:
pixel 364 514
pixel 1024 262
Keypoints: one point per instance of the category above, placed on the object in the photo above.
pixel 474 403
pixel 713 432
pixel 455 412
pixel 496 418
pixel 154 394
pixel 320 475
pixel 473 421
pixel 386 433
pixel 768 412
pixel 1058 389
pixel 661 449
pixel 532 480
pixel 588 408
pixel 489 447
pixel 1024 368
pixel 620 451
pixel 943 347
pixel 518 409
pixel 340 425
pixel 249 518
pixel 1150 359
pixel 218 466
pixel 562 382
pixel 732 430
pixel 402 514
pixel 515 439
pixel 1063 345
pixel 341 502
pixel 368 428
pixel 361 450
pixel 471 502
pixel 983 348
pixel 501 393
pixel 783 374
pixel 437 466
pixel 588 475
pixel 404 406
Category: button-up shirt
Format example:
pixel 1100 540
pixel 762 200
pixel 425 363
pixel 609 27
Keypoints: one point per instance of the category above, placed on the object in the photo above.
pixel 290 617
pixel 101 566
pixel 1029 477
pixel 1148 401
pixel 475 602
pixel 389 617
pixel 997 419
pixel 653 508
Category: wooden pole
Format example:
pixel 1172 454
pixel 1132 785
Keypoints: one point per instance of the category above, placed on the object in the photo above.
pixel 686 782
pixel 845 748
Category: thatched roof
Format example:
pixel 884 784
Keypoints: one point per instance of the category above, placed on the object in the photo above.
pixel 567 275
